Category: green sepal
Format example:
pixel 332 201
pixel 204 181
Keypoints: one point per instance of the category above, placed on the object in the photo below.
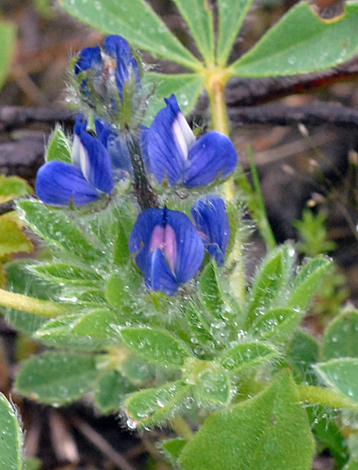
pixel 210 291
pixel 59 147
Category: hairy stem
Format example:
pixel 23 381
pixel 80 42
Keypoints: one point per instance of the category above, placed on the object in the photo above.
pixel 181 427
pixel 324 397
pixel 145 195
pixel 45 308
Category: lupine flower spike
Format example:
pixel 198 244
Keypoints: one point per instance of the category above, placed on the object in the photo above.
pixel 81 183
pixel 175 155
pixel 167 249
pixel 211 220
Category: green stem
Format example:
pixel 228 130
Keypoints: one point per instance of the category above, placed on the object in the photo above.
pixel 216 92
pixel 324 397
pixel 44 308
pixel 181 427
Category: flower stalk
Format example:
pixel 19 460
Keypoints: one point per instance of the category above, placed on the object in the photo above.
pixel 43 308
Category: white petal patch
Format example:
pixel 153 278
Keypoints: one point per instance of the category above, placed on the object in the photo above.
pixel 76 150
pixel 183 135
pixel 84 161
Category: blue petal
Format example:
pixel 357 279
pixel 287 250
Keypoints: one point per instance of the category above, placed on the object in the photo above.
pixel 141 235
pixel 96 163
pixel 115 144
pixel 211 219
pixel 87 58
pixel 165 153
pixel 114 44
pixel 80 124
pixel 211 156
pixel 58 183
pixel 189 246
pixel 158 275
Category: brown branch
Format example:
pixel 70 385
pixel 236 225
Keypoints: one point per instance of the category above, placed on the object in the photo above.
pixel 280 115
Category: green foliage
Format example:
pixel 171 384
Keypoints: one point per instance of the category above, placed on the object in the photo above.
pixel 110 390
pixel 340 338
pixel 56 378
pixel 7 41
pixel 12 187
pixel 312 229
pixel 284 48
pixel 12 239
pixel 255 434
pixel 246 355
pixel 11 439
pixel 156 346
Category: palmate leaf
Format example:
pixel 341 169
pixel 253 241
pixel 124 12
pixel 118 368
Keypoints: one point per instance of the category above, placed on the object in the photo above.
pixel 301 43
pixel 137 22
pixel 186 87
pixel 199 18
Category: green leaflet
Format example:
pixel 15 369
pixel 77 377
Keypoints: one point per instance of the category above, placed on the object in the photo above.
pixel 11 439
pixel 269 431
pixel 186 87
pixel 137 22
pixel 199 18
pixel 301 43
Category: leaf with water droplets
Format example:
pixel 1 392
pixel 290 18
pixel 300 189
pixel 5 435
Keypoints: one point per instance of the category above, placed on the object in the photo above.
pixel 156 346
pixel 269 431
pixel 61 273
pixel 58 333
pixel 266 286
pixel 56 377
pixel 11 438
pixel 306 282
pixel 283 49
pixel 210 291
pixel 246 355
pixel 341 375
pixel 276 325
pixel 340 338
pixel 186 87
pixel 55 227
pixel 301 356
pixel 99 323
pixel 137 22
pixel 214 386
pixel 155 405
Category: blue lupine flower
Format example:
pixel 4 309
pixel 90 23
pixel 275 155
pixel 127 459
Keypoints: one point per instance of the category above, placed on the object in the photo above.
pixel 176 156
pixel 115 144
pixel 211 220
pixel 83 182
pixel 115 64
pixel 167 249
